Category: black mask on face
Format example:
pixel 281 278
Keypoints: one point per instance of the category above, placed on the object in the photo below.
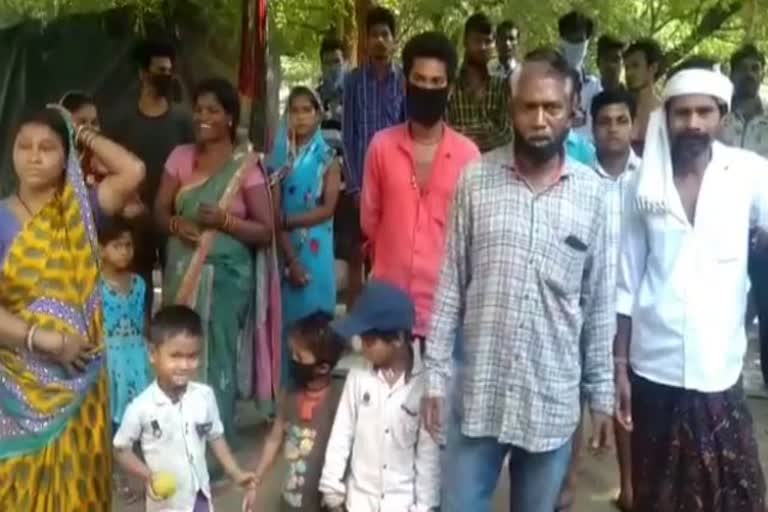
pixel 303 374
pixel 162 83
pixel 540 152
pixel 425 106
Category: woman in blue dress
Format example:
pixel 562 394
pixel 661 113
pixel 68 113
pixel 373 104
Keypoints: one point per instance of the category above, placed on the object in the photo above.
pixel 307 176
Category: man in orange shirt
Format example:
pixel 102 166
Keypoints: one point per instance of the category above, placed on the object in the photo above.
pixel 411 172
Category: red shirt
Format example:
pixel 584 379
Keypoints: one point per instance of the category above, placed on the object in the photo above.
pixel 405 224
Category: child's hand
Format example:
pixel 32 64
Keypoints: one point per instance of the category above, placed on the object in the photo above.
pixel 247 480
pixel 249 501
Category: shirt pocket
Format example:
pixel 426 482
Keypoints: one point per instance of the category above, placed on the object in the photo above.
pixel 406 428
pixel 563 262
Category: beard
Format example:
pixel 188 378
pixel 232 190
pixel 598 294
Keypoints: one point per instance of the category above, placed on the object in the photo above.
pixel 540 151
pixel 687 146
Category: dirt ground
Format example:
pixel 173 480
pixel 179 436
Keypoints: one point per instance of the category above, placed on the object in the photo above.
pixel 597 478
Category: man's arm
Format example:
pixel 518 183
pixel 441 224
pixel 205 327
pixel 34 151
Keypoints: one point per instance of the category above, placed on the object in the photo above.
pixel 427 472
pixel 633 254
pixel 370 198
pixel 759 212
pixel 599 320
pixel 450 296
pixel 349 134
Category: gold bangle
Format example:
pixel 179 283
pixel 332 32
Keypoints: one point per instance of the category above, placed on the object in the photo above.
pixel 31 337
pixel 64 340
pixel 173 225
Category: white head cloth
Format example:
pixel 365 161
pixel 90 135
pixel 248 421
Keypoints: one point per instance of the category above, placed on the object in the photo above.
pixel 656 178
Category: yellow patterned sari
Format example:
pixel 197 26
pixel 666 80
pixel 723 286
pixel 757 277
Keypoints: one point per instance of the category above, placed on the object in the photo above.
pixel 55 438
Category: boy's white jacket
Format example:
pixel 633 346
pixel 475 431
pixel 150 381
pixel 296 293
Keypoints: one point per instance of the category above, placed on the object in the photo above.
pixel 379 435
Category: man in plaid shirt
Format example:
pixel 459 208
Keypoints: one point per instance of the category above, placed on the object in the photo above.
pixel 526 279
pixel 478 107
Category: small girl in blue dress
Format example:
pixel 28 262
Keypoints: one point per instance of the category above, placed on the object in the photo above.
pixel 124 317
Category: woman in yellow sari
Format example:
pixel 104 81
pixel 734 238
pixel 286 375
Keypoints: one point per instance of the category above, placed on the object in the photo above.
pixel 55 439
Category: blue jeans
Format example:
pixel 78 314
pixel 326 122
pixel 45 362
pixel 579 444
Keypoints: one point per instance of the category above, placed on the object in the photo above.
pixel 471 471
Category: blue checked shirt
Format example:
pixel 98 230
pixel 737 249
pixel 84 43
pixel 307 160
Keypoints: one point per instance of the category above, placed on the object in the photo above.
pixel 526 277
pixel 370 104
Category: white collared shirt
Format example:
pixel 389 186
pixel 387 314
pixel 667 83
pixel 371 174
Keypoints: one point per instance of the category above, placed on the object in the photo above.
pixel 615 202
pixel 173 438
pixel 590 87
pixel 685 286
pixel 394 465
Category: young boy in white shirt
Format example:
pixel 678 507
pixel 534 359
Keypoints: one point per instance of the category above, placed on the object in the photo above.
pixel 393 461
pixel 174 419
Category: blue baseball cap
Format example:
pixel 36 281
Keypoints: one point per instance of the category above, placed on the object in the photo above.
pixel 381 307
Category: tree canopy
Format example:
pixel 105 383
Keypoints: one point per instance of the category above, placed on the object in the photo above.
pixel 713 27
pixel 683 27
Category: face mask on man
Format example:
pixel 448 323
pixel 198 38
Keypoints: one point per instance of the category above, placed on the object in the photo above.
pixel 162 83
pixel 575 53
pixel 425 106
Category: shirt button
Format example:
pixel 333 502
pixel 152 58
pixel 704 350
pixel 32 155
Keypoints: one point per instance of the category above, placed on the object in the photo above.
pixel 386 431
pixel 384 466
pixel 530 261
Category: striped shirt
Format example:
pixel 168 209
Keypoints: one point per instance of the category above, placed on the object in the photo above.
pixel 615 203
pixel 526 277
pixel 485 118
pixel 370 104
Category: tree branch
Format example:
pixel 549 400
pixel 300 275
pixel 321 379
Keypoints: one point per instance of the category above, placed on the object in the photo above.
pixel 711 21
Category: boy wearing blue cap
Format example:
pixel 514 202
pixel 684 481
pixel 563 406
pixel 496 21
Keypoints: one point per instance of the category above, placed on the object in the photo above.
pixel 378 433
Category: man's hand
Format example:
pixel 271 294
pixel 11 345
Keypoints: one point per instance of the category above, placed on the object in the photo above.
pixel 602 433
pixel 623 398
pixel 431 413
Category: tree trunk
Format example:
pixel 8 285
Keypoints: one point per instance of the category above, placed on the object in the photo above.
pixel 349 31
pixel 712 20
pixel 361 12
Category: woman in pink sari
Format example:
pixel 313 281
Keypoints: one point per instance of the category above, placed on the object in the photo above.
pixel 214 204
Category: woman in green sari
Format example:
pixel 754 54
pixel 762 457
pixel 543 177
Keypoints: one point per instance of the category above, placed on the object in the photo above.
pixel 214 205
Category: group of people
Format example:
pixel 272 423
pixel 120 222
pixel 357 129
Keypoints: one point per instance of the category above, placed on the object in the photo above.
pixel 541 242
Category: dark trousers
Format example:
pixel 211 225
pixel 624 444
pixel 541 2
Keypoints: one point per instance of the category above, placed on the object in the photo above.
pixel 758 274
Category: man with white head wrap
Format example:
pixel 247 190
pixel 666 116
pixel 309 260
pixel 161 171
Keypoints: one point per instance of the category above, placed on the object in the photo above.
pixel 682 282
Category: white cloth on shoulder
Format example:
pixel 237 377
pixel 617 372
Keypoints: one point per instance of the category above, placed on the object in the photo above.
pixel 656 179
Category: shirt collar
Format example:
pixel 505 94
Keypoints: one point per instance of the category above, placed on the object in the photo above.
pixel 633 164
pixel 371 71
pixel 405 141
pixel 508 161
pixel 159 397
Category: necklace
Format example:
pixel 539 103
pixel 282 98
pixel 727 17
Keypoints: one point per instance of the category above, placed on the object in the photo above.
pixel 25 205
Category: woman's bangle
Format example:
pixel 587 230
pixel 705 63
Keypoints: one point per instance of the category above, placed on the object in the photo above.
pixel 173 225
pixel 284 221
pixel 620 361
pixel 31 337
pixel 64 340
pixel 85 135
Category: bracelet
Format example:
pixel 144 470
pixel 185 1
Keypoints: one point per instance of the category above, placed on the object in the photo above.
pixel 620 361
pixel 284 221
pixel 64 340
pixel 85 135
pixel 173 225
pixel 31 337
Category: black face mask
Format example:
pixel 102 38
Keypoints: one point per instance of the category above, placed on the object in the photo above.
pixel 425 106
pixel 162 83
pixel 304 373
